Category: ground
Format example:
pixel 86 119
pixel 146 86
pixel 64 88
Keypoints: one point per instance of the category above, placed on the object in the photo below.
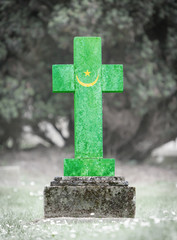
pixel 23 176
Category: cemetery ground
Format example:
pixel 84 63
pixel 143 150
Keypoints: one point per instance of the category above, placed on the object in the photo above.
pixel 23 176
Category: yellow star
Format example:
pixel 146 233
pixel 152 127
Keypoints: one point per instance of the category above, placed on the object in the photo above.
pixel 87 73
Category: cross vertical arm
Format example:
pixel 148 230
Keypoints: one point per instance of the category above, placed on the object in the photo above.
pixel 63 78
pixel 112 78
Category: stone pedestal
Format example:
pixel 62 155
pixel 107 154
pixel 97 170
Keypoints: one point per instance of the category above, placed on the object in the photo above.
pixel 89 197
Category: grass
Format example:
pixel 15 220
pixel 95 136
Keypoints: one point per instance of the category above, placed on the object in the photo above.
pixel 21 207
pixel 21 216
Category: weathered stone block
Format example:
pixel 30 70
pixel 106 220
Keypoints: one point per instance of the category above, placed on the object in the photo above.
pixel 89 197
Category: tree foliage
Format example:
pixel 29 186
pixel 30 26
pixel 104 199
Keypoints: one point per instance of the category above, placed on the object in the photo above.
pixel 35 34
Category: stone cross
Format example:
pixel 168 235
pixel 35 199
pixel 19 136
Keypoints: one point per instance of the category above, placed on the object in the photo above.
pixel 87 78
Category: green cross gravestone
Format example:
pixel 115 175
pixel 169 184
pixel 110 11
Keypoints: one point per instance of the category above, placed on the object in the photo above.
pixel 87 78
pixel 88 185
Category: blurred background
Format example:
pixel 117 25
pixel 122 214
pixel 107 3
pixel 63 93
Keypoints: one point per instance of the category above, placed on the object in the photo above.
pixel 141 35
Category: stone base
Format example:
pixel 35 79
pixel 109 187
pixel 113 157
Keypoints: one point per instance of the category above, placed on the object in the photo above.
pixel 106 197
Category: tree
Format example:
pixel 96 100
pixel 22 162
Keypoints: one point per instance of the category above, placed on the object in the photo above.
pixel 36 34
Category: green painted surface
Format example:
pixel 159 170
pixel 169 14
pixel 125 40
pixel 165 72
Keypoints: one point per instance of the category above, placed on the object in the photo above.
pixel 112 78
pixel 89 167
pixel 88 100
pixel 63 78
pixel 88 78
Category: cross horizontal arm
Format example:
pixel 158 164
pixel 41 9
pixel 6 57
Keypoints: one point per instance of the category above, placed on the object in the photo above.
pixel 112 78
pixel 63 78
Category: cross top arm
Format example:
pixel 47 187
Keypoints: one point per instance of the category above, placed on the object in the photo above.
pixel 64 78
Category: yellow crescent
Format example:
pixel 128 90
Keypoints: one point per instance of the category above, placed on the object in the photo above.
pixel 87 84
